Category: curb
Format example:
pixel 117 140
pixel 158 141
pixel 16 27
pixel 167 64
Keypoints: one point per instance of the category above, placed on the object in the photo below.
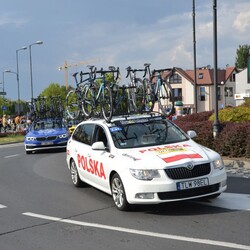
pixel 239 167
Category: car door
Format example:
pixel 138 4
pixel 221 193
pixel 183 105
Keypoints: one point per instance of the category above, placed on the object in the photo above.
pixel 81 149
pixel 100 160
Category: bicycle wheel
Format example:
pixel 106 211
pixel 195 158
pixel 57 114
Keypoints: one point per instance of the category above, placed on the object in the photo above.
pixel 107 103
pixel 149 96
pixel 72 106
pixel 165 98
pixel 137 96
pixel 89 106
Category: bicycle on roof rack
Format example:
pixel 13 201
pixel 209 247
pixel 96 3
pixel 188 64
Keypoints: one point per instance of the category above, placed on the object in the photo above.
pixel 56 107
pixel 159 93
pixel 43 107
pixel 136 91
pixel 97 95
pixel 74 98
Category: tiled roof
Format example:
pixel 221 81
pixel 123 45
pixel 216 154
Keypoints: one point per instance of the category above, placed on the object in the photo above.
pixel 208 75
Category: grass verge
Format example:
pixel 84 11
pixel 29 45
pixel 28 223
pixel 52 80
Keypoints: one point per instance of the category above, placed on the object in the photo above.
pixel 11 138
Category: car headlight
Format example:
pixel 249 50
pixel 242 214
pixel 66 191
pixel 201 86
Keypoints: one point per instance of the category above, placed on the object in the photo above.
pixel 30 138
pixel 144 174
pixel 218 164
pixel 63 136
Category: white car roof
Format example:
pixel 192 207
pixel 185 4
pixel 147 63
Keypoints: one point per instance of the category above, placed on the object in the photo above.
pixel 114 119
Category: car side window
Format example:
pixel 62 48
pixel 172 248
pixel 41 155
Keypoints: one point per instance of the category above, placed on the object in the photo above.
pixel 100 135
pixel 83 133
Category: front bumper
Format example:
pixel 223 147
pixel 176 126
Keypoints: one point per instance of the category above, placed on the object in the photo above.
pixel 165 189
pixel 51 145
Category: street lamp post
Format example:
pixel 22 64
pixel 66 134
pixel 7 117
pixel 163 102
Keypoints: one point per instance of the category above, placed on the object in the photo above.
pixel 9 71
pixel 17 78
pixel 31 80
pixel 3 93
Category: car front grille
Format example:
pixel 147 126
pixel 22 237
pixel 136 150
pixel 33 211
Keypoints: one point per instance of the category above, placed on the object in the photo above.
pixel 47 138
pixel 181 194
pixel 184 173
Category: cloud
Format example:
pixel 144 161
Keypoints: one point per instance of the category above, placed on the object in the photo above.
pixel 11 19
pixel 242 21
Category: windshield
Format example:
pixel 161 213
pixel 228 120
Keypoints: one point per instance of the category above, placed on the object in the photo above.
pixel 48 124
pixel 145 133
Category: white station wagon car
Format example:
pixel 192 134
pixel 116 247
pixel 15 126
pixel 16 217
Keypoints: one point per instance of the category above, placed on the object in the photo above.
pixel 143 159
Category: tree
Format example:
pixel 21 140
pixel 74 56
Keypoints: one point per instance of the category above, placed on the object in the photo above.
pixel 242 54
pixel 55 89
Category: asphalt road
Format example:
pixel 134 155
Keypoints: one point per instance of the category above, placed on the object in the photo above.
pixel 41 209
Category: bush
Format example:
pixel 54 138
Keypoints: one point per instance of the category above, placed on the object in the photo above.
pixel 196 117
pixel 204 130
pixel 237 114
pixel 2 135
pixel 233 140
pixel 234 137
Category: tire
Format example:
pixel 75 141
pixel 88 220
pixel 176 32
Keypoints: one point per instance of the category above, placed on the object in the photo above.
pixel 107 103
pixel 88 100
pixel 72 106
pixel 165 99
pixel 75 175
pixel 149 96
pixel 118 193
pixel 138 96
pixel 28 152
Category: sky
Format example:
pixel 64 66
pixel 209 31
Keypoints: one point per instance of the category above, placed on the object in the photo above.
pixel 120 33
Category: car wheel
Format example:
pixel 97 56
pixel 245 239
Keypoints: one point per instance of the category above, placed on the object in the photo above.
pixel 28 152
pixel 118 193
pixel 74 174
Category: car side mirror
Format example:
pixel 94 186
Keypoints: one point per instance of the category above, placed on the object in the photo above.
pixel 99 145
pixel 191 133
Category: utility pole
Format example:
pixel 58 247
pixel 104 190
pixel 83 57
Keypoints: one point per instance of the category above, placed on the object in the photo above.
pixel 216 126
pixel 195 75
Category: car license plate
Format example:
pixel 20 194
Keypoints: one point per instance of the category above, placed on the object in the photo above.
pixel 192 184
pixel 47 143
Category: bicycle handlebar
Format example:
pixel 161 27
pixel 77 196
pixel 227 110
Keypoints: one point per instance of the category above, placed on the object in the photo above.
pixel 130 70
pixel 159 71
pixel 111 69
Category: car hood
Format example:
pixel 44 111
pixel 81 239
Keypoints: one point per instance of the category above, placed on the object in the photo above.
pixel 163 156
pixel 47 132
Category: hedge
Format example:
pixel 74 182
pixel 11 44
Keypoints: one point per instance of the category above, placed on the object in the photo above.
pixel 233 139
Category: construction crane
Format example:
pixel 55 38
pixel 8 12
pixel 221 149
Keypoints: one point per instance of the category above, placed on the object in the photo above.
pixel 66 66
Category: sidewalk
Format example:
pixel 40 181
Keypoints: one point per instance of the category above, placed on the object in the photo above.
pixel 237 167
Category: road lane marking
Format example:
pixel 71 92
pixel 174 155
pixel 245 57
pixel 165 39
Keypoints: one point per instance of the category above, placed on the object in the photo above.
pixel 140 232
pixel 2 206
pixel 10 156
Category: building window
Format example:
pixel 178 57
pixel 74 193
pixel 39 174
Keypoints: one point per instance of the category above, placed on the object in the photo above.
pixel 175 78
pixel 202 94
pixel 200 76
pixel 177 94
pixel 228 91
pixel 232 77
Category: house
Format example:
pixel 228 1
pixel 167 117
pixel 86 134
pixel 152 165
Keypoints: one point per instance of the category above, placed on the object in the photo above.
pixel 182 82
pixel 242 87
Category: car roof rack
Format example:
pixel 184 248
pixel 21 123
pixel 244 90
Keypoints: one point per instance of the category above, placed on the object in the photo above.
pixel 152 114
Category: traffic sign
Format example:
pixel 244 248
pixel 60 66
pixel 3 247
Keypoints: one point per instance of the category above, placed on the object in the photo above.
pixel 2 93
pixel 4 107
